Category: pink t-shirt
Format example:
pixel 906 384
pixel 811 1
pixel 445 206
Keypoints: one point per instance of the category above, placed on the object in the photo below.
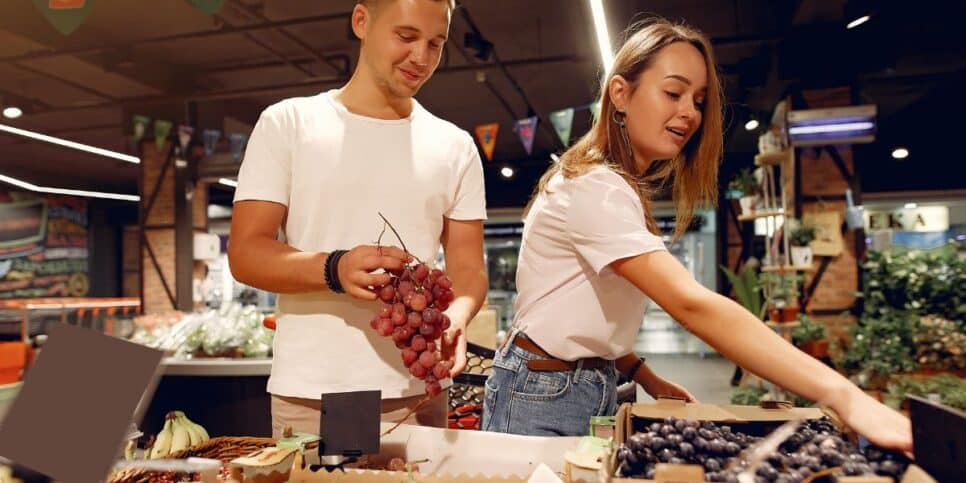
pixel 570 302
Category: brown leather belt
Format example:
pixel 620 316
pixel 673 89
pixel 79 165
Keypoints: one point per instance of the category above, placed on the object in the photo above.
pixel 551 363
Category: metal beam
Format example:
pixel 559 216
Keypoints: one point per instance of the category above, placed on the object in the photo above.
pixel 291 37
pixel 318 82
pixel 227 30
pixel 62 80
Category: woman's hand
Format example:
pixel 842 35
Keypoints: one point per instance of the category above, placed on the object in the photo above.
pixel 657 386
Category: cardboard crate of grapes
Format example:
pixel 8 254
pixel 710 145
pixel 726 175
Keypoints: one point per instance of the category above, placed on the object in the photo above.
pixel 671 440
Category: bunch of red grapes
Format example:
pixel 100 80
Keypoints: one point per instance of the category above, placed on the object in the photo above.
pixel 412 315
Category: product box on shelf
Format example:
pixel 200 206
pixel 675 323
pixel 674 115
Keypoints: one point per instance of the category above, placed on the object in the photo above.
pixel 442 455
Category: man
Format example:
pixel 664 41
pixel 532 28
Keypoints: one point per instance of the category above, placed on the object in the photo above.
pixel 322 168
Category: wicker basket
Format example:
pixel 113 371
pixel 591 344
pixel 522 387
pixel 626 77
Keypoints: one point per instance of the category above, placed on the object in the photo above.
pixel 223 448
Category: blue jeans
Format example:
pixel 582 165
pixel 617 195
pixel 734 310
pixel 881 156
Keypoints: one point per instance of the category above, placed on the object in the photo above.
pixel 540 403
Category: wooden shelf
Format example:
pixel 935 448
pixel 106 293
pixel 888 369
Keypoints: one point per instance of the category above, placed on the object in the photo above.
pixel 782 325
pixel 787 268
pixel 763 214
pixel 773 159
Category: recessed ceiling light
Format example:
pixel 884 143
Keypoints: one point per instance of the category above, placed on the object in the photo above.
pixel 911 206
pixel 507 172
pixel 751 125
pixel 228 182
pixel 859 21
pixel 900 153
pixel 603 36
pixel 12 112
pixel 61 191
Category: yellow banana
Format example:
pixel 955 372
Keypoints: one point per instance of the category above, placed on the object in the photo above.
pixel 194 437
pixel 200 429
pixel 162 446
pixel 180 438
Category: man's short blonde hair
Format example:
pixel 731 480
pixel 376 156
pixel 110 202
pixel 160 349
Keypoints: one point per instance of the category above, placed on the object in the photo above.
pixel 374 4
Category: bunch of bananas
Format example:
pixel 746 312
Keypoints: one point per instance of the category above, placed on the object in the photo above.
pixel 178 433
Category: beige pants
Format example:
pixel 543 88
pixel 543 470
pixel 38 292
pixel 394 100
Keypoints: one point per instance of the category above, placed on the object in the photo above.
pixel 304 415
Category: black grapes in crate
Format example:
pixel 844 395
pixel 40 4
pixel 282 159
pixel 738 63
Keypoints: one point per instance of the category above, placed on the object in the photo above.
pixel 816 446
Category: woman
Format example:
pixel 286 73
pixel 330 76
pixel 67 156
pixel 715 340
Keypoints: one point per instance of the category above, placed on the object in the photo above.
pixel 591 248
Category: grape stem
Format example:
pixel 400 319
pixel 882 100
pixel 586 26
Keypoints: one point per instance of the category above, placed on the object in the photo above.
pixel 401 242
pixel 411 411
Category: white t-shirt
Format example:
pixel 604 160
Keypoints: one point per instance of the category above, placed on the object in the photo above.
pixel 335 171
pixel 570 302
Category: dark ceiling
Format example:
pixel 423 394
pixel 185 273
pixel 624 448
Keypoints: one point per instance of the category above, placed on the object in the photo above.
pixel 171 61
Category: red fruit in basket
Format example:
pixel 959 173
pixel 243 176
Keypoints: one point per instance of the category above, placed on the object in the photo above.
pixel 429 296
pixel 428 283
pixel 269 322
pixel 427 330
pixel 431 346
pixel 446 296
pixel 407 300
pixel 398 335
pixel 427 359
pixel 387 293
pixel 399 308
pixel 402 344
pixel 437 332
pixel 418 302
pixel 409 356
pixel 420 272
pixel 436 273
pixel 437 292
pixel 440 371
pixel 444 322
pixel 441 305
pixel 417 370
pixel 374 323
pixel 398 319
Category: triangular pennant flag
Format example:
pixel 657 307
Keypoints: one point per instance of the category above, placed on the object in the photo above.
pixel 64 15
pixel 486 135
pixel 210 138
pixel 236 143
pixel 563 121
pixel 594 109
pixel 184 136
pixel 161 131
pixel 207 6
pixel 527 130
pixel 140 127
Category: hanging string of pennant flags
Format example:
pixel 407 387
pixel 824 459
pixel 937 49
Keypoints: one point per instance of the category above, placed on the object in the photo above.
pixel 526 128
pixel 66 15
pixel 210 138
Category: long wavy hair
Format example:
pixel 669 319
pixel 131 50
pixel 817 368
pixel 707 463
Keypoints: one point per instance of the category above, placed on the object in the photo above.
pixel 694 171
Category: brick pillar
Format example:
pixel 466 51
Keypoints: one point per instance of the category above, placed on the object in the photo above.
pixel 168 220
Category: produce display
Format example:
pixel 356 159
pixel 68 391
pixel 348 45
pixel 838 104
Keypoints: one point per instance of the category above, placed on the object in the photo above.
pixel 412 314
pixel 817 446
pixel 233 330
pixel 178 433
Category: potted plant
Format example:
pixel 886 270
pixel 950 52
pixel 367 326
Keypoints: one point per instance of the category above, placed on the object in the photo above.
pixel 799 239
pixel 811 337
pixel 747 289
pixel 782 295
pixel 746 186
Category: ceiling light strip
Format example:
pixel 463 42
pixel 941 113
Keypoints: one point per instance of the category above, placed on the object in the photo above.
pixel 69 144
pixel 61 191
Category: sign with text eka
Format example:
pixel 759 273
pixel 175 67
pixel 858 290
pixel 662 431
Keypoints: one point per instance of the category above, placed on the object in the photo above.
pixel 43 247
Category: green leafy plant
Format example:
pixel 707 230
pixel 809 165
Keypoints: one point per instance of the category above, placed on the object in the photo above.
pixel 951 390
pixel 747 289
pixel 745 183
pixel 940 343
pixel 808 330
pixel 883 345
pixel 932 282
pixel 802 236
pixel 782 288
pixel 748 395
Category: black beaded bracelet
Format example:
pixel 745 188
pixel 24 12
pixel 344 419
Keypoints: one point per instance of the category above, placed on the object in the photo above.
pixel 633 371
pixel 331 271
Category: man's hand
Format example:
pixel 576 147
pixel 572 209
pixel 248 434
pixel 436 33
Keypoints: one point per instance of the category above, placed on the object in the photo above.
pixel 453 344
pixel 356 265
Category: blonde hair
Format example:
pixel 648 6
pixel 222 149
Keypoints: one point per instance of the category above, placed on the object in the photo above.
pixel 374 4
pixel 694 171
